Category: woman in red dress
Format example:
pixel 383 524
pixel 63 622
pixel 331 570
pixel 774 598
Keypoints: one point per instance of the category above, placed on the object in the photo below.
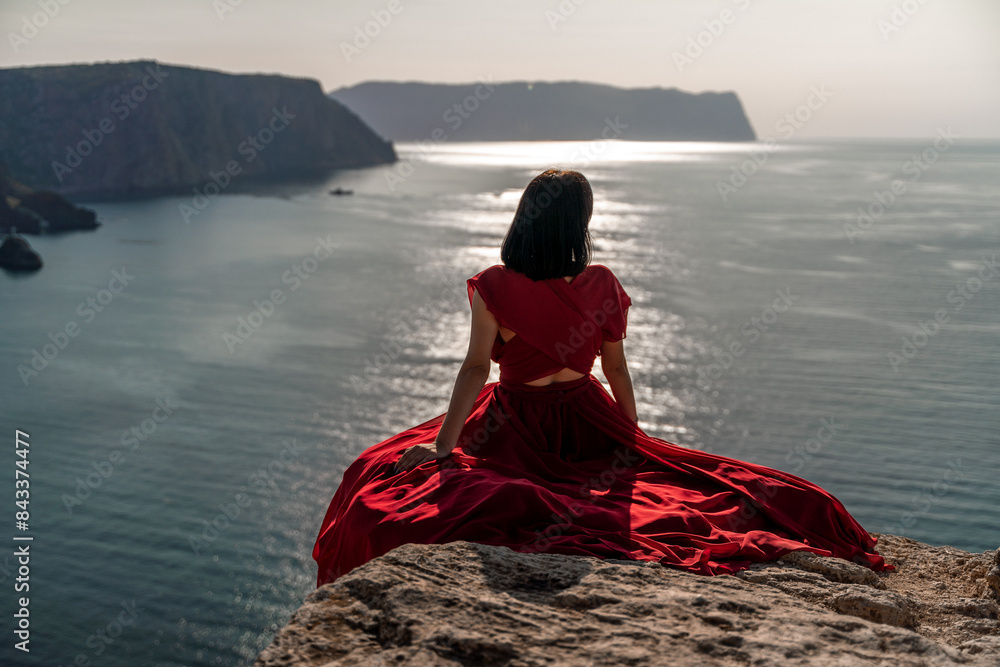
pixel 545 460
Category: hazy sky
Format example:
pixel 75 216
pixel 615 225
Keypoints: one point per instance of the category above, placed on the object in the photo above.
pixel 890 67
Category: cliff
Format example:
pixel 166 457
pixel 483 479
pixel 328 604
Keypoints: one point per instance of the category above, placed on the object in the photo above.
pixel 36 211
pixel 524 111
pixel 143 128
pixel 17 255
pixel 469 604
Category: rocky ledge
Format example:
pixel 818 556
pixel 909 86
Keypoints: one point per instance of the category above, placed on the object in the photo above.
pixel 470 604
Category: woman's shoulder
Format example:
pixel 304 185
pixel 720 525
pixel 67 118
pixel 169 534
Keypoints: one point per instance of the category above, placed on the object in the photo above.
pixel 498 273
pixel 495 272
pixel 494 279
pixel 603 280
pixel 596 274
pixel 601 274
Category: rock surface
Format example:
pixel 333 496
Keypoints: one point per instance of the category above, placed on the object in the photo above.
pixel 59 214
pixel 17 255
pixel 523 111
pixel 15 218
pixel 470 604
pixel 36 211
pixel 128 129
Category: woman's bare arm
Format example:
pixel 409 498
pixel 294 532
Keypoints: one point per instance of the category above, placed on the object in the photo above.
pixel 616 371
pixel 472 376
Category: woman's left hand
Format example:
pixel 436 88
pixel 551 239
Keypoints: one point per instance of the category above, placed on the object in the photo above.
pixel 415 455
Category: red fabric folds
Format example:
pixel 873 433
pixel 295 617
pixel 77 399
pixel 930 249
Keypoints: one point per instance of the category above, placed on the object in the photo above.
pixel 561 469
pixel 558 324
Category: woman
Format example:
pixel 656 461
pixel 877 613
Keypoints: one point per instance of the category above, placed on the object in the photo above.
pixel 545 460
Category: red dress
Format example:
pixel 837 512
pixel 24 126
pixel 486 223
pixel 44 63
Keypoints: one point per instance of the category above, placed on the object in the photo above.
pixel 561 469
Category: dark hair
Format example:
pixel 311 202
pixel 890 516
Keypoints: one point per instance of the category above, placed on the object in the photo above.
pixel 549 237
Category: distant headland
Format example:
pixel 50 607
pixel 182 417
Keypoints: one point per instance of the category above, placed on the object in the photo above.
pixel 523 111
pixel 29 211
pixel 136 129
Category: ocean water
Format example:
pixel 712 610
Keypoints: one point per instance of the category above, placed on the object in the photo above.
pixel 181 461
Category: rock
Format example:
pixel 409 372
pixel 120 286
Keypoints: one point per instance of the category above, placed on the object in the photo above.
pixel 59 214
pixel 992 578
pixel 11 217
pixel 862 593
pixel 135 129
pixel 985 646
pixel 472 604
pixel 834 569
pixel 23 220
pixel 879 606
pixel 537 111
pixel 17 255
pixel 33 212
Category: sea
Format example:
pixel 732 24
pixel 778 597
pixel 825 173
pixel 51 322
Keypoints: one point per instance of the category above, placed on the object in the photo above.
pixel 193 377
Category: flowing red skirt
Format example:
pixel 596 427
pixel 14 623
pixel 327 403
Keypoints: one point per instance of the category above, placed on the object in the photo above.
pixel 560 469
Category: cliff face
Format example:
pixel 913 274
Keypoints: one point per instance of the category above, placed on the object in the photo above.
pixel 36 211
pixel 137 128
pixel 545 111
pixel 470 604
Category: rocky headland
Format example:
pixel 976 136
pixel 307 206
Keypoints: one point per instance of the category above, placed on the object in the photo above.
pixel 136 129
pixel 470 604
pixel 17 255
pixel 40 211
pixel 526 111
